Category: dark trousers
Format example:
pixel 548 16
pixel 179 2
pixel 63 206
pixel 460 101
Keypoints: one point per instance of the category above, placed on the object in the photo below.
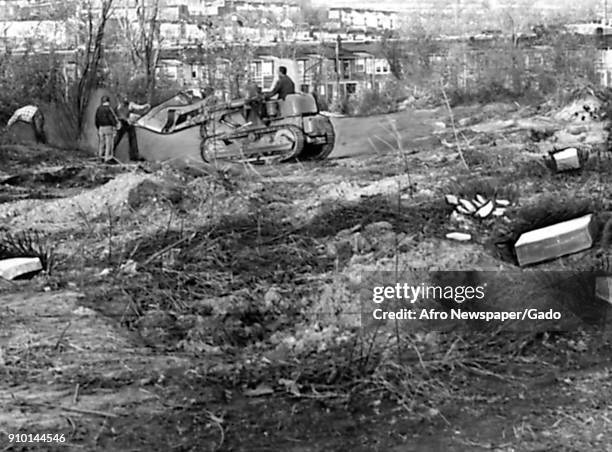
pixel 128 128
pixel 38 124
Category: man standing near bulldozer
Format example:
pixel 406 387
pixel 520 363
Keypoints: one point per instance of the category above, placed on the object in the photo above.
pixel 107 124
pixel 128 113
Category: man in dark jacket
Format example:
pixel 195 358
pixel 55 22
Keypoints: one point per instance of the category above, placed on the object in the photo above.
pixel 284 86
pixel 107 124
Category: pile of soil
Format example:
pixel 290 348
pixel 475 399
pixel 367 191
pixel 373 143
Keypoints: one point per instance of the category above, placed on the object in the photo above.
pixel 65 213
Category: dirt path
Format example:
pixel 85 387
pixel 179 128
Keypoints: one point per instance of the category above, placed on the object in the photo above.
pixel 375 134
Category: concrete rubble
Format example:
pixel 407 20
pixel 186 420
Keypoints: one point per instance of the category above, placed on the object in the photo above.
pixel 466 211
pixel 580 124
pixel 554 241
pixel 19 266
pixel 567 159
pixel 480 207
pixel 459 236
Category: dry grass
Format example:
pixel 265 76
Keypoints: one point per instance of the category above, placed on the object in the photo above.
pixel 27 244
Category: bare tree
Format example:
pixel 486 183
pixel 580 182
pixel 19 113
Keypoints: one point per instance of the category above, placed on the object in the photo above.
pixel 227 56
pixel 90 65
pixel 392 50
pixel 144 40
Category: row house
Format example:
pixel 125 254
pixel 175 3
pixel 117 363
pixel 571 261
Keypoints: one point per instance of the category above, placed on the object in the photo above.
pixel 22 9
pixel 181 32
pixel 169 11
pixel 202 8
pixel 344 73
pixel 279 8
pixel 364 18
pixel 603 62
pixel 8 10
pixel 462 63
pixel 43 33
pixel 314 69
pixel 329 73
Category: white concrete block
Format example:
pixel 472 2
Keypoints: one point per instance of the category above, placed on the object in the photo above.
pixel 18 266
pixel 555 241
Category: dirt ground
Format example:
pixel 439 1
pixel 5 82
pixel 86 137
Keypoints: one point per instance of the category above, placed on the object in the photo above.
pixel 192 310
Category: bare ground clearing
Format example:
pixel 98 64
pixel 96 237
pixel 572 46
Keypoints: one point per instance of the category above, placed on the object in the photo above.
pixel 194 311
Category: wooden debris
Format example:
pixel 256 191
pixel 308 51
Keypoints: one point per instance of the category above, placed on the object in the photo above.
pixel 555 241
pixel 502 202
pixel 19 266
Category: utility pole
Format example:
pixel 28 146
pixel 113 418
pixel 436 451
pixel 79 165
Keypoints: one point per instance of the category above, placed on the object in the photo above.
pixel 338 69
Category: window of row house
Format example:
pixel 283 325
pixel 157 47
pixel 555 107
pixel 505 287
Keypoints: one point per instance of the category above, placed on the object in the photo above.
pixel 346 69
pixel 256 68
pixel 382 67
pixel 267 68
pixel 301 64
pixel 360 65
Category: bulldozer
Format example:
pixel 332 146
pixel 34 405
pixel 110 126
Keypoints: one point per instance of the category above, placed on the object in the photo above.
pixel 253 130
pixel 256 130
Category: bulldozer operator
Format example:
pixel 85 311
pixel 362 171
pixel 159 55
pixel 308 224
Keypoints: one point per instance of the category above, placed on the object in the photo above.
pixel 284 85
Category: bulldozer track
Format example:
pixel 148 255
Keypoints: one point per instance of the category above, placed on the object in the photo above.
pixel 253 135
pixel 328 147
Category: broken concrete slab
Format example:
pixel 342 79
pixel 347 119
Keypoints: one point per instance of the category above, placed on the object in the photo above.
pixel 566 160
pixel 459 236
pixel 19 266
pixel 467 206
pixel 480 207
pixel 451 200
pixel 555 241
pixel 486 210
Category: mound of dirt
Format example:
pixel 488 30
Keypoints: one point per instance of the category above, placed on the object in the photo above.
pixel 149 191
pixel 62 213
